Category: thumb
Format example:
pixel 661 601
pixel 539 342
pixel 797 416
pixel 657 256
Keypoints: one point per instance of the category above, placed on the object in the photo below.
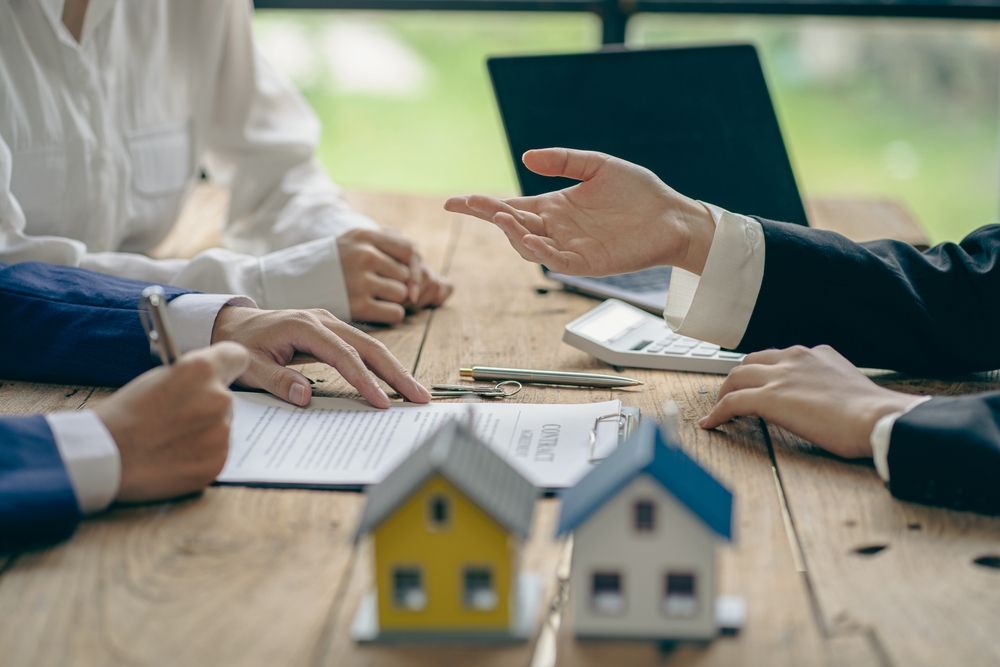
pixel 568 162
pixel 229 361
pixel 277 380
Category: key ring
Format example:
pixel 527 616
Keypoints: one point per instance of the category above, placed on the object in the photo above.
pixel 504 389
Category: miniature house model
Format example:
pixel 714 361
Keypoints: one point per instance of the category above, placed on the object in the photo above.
pixel 447 526
pixel 645 523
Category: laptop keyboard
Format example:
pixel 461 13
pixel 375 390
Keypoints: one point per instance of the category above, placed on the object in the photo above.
pixel 647 280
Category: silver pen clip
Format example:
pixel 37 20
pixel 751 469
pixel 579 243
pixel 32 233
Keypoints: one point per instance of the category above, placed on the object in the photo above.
pixel 504 389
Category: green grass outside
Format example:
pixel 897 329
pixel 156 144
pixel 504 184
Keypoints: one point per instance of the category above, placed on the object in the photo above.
pixel 448 138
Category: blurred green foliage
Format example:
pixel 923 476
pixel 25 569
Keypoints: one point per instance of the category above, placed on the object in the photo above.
pixel 904 110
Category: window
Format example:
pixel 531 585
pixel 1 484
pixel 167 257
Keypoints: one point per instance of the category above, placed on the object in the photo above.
pixel 408 588
pixel 477 589
pixel 438 511
pixel 679 598
pixel 644 517
pixel 606 595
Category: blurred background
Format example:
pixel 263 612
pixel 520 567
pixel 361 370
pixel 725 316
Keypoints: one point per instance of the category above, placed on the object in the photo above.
pixel 904 108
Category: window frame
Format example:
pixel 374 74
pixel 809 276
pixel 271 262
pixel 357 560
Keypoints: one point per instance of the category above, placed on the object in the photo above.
pixel 636 526
pixel 432 523
pixel 666 595
pixel 623 605
pixel 397 601
pixel 491 579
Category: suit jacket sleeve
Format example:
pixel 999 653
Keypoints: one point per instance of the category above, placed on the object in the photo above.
pixel 947 452
pixel 63 324
pixel 37 502
pixel 882 304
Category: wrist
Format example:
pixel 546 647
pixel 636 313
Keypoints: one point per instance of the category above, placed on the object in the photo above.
pixel 699 228
pixel 890 402
pixel 227 322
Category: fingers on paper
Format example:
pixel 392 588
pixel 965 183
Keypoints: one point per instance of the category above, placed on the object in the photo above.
pixel 384 364
pixel 274 378
pixel 331 349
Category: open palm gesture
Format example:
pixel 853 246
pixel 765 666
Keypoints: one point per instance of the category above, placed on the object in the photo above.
pixel 619 218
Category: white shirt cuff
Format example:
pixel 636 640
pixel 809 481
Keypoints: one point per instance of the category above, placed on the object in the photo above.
pixel 307 275
pixel 192 317
pixel 881 436
pixel 90 456
pixel 717 306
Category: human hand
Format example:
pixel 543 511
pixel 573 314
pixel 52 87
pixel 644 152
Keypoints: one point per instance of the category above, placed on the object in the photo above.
pixel 620 218
pixel 273 338
pixel 385 275
pixel 171 425
pixel 815 393
pixel 434 289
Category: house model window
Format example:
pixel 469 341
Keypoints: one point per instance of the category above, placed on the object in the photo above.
pixel 645 516
pixel 438 511
pixel 679 597
pixel 606 593
pixel 408 588
pixel 478 592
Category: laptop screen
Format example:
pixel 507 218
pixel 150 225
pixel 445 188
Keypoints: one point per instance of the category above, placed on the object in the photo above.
pixel 700 118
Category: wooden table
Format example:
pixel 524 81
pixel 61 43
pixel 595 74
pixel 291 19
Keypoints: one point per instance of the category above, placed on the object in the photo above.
pixel 269 577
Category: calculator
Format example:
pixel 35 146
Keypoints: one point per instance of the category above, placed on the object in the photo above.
pixel 623 335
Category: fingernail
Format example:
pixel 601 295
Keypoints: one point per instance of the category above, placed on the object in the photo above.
pixel 385 397
pixel 298 394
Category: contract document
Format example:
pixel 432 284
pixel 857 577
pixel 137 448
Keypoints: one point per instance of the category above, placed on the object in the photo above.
pixel 343 443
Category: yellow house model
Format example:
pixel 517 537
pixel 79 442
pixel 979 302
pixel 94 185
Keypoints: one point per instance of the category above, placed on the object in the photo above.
pixel 447 526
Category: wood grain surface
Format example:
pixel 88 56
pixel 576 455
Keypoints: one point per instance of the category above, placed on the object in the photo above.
pixel 270 577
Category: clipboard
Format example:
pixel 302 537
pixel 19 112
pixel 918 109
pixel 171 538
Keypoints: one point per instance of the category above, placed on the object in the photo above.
pixel 628 420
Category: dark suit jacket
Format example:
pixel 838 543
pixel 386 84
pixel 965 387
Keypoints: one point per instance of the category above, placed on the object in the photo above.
pixel 886 305
pixel 58 324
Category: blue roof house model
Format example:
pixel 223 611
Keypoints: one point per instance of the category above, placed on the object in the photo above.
pixel 646 523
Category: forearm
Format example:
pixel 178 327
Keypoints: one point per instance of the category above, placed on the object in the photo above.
pixel 883 304
pixel 69 325
pixel 262 146
pixel 37 503
pixel 947 452
pixel 82 327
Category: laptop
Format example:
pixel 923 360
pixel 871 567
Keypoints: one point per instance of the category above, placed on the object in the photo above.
pixel 700 118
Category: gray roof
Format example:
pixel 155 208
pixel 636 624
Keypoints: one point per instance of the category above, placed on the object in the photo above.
pixel 455 452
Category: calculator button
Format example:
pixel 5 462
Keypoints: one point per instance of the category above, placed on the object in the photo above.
pixel 730 355
pixel 702 352
pixel 654 348
pixel 676 349
pixel 709 347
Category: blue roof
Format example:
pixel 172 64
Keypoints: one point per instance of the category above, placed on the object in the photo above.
pixel 650 451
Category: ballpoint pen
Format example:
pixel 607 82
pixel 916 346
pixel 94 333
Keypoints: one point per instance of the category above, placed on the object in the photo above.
pixel 532 376
pixel 153 313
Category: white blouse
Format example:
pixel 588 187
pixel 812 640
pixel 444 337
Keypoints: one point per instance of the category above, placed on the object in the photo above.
pixel 102 140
